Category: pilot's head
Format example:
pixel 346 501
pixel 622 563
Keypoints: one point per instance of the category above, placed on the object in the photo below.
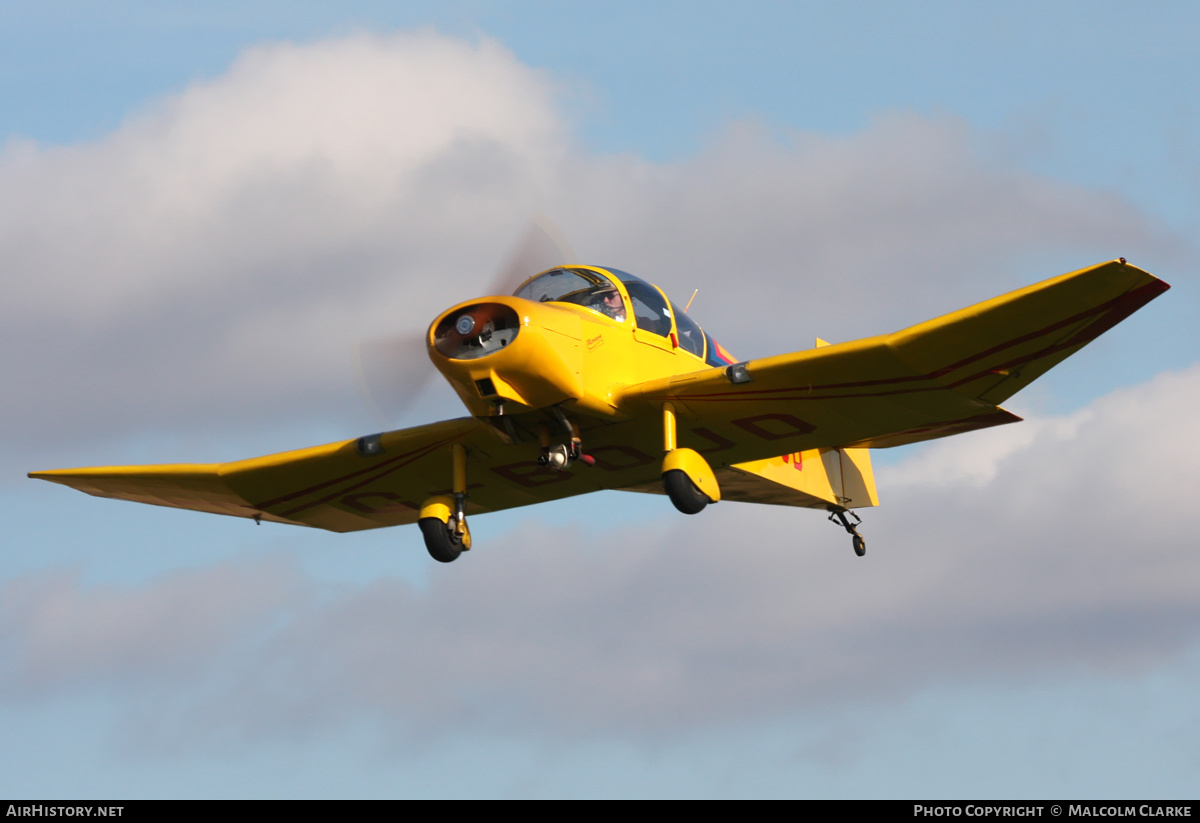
pixel 610 303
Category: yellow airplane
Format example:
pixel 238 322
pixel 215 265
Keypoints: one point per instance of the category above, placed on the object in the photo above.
pixel 589 378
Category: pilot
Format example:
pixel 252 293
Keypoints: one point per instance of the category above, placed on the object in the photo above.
pixel 608 301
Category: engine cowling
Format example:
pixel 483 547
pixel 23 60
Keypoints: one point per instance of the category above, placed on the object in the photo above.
pixel 508 350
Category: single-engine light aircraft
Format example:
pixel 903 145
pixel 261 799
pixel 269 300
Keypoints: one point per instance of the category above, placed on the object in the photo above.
pixel 589 378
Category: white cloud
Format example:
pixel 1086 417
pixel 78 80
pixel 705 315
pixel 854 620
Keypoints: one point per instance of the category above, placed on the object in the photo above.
pixel 216 256
pixel 209 263
pixel 61 634
pixel 976 460
pixel 1073 551
pixel 849 236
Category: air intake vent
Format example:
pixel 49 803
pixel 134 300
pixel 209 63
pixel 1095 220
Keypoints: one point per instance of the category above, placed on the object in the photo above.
pixel 476 331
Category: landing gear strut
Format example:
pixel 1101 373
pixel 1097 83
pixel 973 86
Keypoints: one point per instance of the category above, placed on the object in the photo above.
pixel 687 478
pixel 443 521
pixel 560 457
pixel 860 545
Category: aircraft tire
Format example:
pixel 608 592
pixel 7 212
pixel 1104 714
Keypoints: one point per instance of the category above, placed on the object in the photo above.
pixel 683 492
pixel 440 541
pixel 860 545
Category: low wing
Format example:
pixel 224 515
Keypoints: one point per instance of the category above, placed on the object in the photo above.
pixel 938 378
pixel 292 487
pixel 380 480
pixel 941 377
pixel 374 481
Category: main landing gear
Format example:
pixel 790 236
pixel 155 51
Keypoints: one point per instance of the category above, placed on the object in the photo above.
pixel 687 478
pixel 860 545
pixel 443 540
pixel 443 521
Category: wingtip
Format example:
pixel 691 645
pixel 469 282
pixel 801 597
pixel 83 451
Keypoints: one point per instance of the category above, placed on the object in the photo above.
pixel 54 475
pixel 1158 285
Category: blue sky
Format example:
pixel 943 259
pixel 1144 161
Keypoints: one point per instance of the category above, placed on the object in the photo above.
pixel 202 207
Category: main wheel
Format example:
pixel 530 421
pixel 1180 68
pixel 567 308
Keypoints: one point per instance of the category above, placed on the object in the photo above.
pixel 860 545
pixel 443 544
pixel 683 492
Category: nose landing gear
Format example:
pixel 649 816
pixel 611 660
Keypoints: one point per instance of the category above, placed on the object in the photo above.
pixel 860 545
pixel 563 455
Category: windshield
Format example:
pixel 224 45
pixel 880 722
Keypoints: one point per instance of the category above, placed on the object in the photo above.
pixel 593 290
pixel 578 286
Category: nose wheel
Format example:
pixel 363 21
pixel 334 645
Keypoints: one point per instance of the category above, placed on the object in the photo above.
pixel 860 545
pixel 560 457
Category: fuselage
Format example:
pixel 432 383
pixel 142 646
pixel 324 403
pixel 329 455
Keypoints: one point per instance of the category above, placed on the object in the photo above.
pixel 573 337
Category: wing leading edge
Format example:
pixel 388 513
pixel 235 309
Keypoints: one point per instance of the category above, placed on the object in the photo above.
pixel 941 377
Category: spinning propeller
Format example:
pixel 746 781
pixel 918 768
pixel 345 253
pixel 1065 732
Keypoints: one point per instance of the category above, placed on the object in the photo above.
pixel 392 371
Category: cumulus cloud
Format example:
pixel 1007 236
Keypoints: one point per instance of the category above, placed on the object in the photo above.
pixel 211 262
pixel 1071 552
pixel 56 633
pixel 208 265
pixel 236 238
pixel 852 236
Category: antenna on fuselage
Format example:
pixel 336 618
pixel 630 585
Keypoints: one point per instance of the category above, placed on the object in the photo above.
pixel 690 299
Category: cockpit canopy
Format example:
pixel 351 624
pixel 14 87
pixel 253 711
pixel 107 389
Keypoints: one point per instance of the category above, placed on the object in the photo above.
pixel 611 292
pixel 582 287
